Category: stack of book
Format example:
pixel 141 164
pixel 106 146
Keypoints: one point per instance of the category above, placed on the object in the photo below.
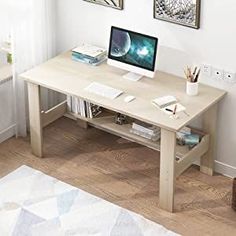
pixel 146 130
pixel 89 54
pixel 90 110
pixel 83 108
pixel 186 137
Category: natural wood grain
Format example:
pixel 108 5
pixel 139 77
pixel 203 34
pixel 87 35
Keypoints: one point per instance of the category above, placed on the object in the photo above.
pixel 192 156
pixel 54 113
pixel 106 123
pixel 126 174
pixel 69 77
pixel 210 127
pixel 64 75
pixel 167 170
pixel 35 119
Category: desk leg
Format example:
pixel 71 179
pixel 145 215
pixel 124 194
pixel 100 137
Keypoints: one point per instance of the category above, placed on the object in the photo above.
pixel 210 127
pixel 167 170
pixel 35 119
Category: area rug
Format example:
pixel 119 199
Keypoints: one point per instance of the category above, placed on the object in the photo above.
pixel 32 203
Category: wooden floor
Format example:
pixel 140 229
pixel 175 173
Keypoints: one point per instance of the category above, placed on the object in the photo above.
pixel 126 174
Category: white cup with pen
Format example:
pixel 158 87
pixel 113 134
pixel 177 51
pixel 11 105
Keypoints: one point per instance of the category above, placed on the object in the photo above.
pixel 192 80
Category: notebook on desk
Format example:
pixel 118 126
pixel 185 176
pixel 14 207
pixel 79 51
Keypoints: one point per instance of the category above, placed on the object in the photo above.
pixel 169 109
pixel 164 101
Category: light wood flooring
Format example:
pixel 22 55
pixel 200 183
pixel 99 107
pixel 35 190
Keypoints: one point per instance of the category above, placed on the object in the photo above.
pixel 126 174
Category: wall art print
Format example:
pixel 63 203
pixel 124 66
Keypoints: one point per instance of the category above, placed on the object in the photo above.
pixel 183 12
pixel 118 4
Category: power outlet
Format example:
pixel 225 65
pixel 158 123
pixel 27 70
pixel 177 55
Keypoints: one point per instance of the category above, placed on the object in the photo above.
pixel 230 77
pixel 207 70
pixel 218 74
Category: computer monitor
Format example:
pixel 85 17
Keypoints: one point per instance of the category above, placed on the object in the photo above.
pixel 134 52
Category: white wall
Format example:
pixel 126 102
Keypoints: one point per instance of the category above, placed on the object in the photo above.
pixel 214 43
pixel 7 121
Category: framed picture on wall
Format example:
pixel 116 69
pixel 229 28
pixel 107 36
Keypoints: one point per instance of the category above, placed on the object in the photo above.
pixel 118 4
pixel 183 12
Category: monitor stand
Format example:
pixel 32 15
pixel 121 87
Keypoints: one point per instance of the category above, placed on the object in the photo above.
pixel 132 76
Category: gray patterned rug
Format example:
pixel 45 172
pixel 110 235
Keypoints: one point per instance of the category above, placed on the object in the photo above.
pixel 32 203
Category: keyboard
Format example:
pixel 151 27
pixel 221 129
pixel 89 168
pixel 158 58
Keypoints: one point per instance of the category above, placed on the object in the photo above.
pixel 103 90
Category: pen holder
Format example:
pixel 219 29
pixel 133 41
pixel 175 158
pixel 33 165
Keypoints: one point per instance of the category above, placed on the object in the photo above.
pixel 192 88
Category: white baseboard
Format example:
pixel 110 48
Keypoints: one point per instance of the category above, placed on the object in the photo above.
pixel 7 133
pixel 224 169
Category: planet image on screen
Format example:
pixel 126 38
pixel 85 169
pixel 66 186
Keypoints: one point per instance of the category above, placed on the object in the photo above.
pixel 121 43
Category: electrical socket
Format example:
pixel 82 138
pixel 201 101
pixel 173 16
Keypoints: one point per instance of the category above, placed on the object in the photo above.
pixel 207 70
pixel 230 77
pixel 218 74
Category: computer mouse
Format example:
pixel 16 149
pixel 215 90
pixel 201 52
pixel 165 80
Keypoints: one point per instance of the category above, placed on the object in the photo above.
pixel 129 98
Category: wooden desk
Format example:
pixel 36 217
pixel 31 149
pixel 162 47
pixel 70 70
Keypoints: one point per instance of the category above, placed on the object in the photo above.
pixel 68 77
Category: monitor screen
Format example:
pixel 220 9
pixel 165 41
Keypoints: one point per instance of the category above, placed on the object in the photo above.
pixel 133 48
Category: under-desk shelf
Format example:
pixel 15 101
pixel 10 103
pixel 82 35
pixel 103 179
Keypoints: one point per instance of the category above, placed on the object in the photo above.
pixel 105 122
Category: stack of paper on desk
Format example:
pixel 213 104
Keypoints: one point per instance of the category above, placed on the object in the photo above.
pixel 164 101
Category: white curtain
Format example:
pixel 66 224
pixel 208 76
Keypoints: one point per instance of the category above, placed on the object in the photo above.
pixel 32 26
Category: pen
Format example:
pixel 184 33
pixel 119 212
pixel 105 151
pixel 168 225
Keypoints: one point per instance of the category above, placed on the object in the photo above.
pixel 169 110
pixel 195 70
pixel 197 75
pixel 174 112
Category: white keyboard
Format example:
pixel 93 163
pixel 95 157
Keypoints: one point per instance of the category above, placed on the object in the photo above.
pixel 103 90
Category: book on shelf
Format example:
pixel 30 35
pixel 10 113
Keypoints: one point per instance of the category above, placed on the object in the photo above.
pixel 92 110
pixel 154 137
pixel 83 108
pixel 146 130
pixel 73 104
pixel 69 103
pixel 81 104
pixel 191 139
pixel 186 137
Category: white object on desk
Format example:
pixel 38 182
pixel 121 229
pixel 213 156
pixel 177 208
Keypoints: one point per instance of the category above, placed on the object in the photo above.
pixel 103 90
pixel 129 98
pixel 192 88
pixel 89 50
pixel 164 101
pixel 133 76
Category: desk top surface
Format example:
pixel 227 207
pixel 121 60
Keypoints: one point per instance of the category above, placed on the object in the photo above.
pixel 69 77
